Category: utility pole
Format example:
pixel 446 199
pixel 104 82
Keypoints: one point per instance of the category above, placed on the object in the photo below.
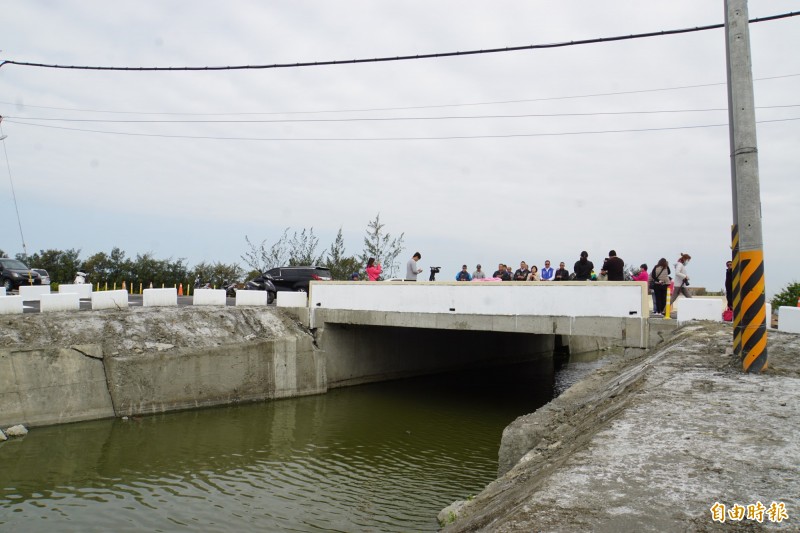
pixel 749 303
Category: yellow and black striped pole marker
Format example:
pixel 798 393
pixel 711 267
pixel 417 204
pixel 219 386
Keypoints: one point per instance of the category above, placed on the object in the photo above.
pixel 754 312
pixel 750 317
pixel 737 290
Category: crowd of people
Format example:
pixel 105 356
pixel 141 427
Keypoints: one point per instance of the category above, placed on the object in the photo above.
pixel 658 279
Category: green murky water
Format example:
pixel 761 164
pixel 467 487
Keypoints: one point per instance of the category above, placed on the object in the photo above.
pixel 381 457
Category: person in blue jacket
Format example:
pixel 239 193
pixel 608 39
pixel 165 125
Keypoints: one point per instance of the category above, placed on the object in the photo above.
pixel 464 275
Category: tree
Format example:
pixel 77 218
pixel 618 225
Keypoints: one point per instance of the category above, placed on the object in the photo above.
pixel 340 264
pixel 218 274
pixel 381 246
pixel 303 249
pixel 111 268
pixel 260 259
pixel 60 264
pixel 2 253
pixel 787 297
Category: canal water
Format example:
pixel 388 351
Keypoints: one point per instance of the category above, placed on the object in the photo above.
pixel 380 457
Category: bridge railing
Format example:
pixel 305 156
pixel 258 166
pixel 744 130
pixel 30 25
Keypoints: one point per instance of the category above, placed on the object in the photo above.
pixel 568 298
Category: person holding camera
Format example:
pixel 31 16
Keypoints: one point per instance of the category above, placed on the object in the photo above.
pixel 681 278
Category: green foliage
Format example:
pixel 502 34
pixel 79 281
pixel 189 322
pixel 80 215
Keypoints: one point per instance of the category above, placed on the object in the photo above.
pixel 60 264
pixel 2 253
pixel 260 259
pixel 787 297
pixel 303 249
pixel 340 264
pixel 218 274
pixel 382 247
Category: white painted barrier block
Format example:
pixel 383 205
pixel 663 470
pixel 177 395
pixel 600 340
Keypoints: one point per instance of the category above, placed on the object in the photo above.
pixel 32 293
pixel 83 289
pixel 110 299
pixel 160 297
pixel 60 301
pixel 292 299
pixel 2 291
pixel 769 315
pixel 700 309
pixel 789 319
pixel 10 305
pixel 251 298
pixel 209 297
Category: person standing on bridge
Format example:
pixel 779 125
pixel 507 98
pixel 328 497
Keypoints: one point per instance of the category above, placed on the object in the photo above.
pixel 547 272
pixel 562 274
pixel 522 272
pixel 533 275
pixel 613 267
pixel 478 274
pixel 660 275
pixel 373 269
pixel 681 278
pixel 412 269
pixel 464 275
pixel 583 267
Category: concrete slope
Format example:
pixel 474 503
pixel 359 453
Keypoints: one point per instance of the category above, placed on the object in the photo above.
pixel 652 443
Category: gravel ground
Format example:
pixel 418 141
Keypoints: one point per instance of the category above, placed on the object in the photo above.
pixel 651 443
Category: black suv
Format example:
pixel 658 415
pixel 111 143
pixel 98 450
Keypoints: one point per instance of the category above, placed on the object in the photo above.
pixel 14 273
pixel 296 278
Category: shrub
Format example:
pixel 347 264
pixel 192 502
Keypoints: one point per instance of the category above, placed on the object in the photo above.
pixel 787 297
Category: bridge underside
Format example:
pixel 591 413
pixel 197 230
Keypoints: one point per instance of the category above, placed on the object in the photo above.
pixel 357 354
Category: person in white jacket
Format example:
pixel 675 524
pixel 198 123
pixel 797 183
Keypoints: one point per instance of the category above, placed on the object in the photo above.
pixel 681 278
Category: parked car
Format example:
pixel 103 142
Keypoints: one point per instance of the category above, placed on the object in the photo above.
pixel 296 278
pixel 14 273
pixel 43 274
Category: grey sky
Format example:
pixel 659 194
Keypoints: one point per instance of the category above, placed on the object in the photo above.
pixel 646 194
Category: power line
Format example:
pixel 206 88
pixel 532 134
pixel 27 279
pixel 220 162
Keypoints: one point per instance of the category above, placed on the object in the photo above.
pixel 404 108
pixel 372 139
pixel 386 119
pixel 399 58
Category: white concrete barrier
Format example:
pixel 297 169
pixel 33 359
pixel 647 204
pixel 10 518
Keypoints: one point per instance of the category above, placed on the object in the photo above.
pixel 541 298
pixel 789 319
pixel 2 291
pixel 110 299
pixel 209 297
pixel 10 305
pixel 61 301
pixel 292 299
pixel 83 289
pixel 251 298
pixel 769 315
pixel 700 309
pixel 160 297
pixel 31 293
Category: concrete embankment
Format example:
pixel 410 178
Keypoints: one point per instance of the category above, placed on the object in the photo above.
pixel 655 443
pixel 65 367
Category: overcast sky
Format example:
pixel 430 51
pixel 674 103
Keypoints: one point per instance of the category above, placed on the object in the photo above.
pixel 503 159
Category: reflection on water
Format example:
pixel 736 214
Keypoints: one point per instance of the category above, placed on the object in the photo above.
pixel 386 457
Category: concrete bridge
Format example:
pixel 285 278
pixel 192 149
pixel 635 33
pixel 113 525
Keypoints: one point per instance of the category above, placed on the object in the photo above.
pixel 376 331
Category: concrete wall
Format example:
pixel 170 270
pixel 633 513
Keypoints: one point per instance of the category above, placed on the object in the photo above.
pixel 31 293
pixel 83 289
pixel 11 305
pixel 53 386
pixel 571 299
pixel 155 382
pixel 110 299
pixel 65 301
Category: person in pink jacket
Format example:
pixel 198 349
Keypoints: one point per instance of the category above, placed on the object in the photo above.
pixel 373 269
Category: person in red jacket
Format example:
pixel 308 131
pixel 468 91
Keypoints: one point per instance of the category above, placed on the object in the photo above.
pixel 373 269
